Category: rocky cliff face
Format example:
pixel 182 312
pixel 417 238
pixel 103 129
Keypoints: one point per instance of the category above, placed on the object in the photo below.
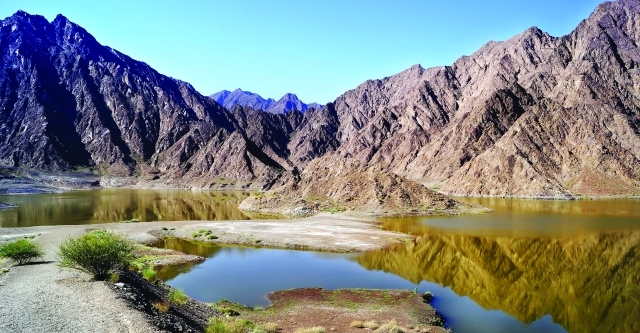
pixel 288 102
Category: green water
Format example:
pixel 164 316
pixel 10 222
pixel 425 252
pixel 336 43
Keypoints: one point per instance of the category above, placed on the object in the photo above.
pixel 100 206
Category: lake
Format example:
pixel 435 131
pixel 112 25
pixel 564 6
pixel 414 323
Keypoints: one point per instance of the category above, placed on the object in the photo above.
pixel 114 205
pixel 532 266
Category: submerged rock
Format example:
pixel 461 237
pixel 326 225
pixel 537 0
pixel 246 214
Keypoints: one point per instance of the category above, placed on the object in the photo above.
pixel 6 205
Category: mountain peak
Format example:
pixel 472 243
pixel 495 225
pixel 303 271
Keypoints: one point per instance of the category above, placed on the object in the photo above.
pixel 286 103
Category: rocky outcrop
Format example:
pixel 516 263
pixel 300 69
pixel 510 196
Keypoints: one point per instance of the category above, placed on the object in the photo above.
pixel 288 102
pixel 335 184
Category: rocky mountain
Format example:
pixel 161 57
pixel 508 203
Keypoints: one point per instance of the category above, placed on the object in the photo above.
pixel 229 99
pixel 68 102
pixel 288 102
pixel 535 115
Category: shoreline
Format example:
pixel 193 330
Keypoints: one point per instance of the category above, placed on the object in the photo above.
pixel 324 233
pixel 26 181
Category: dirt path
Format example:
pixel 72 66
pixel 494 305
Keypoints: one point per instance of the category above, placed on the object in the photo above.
pixel 44 298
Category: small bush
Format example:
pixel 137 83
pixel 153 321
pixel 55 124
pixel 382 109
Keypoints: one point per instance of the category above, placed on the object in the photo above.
pixel 203 232
pixel 228 312
pixel 22 251
pixel 149 274
pixel 315 329
pixel 114 277
pixel 99 253
pixel 178 296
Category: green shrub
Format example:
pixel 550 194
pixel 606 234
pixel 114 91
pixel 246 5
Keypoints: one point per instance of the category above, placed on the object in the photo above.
pixel 149 274
pixel 178 296
pixel 114 277
pixel 99 253
pixel 218 325
pixel 22 251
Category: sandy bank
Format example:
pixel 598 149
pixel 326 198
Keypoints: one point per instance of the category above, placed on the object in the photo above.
pixel 325 232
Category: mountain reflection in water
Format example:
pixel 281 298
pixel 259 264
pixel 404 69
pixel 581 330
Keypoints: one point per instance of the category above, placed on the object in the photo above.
pixel 586 283
pixel 100 206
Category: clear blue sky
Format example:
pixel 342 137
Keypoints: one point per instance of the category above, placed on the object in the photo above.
pixel 317 49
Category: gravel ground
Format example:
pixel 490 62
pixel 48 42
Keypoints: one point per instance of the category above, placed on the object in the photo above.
pixel 41 297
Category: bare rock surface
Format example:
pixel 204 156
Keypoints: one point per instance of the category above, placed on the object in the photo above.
pixel 322 233
pixel 69 102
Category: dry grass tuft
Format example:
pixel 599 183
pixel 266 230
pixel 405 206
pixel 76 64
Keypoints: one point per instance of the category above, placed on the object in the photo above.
pixel 371 324
pixel 161 306
pixel 267 328
pixel 390 327
pixel 357 324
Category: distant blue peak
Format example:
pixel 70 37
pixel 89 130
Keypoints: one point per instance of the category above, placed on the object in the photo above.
pixel 286 103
